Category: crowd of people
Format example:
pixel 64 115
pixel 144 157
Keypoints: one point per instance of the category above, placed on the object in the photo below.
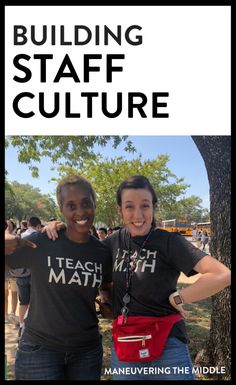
pixel 201 237
pixel 131 273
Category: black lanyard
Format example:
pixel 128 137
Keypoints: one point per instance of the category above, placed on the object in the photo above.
pixel 131 264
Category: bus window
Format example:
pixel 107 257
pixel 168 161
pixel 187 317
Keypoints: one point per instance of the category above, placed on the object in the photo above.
pixel 183 226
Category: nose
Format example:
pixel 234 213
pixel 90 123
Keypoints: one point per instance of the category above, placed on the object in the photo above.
pixel 137 214
pixel 79 211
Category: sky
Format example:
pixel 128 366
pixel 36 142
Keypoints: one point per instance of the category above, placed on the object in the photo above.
pixel 184 161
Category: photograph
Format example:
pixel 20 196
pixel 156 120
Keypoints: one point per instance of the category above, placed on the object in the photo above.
pixel 102 232
pixel 117 131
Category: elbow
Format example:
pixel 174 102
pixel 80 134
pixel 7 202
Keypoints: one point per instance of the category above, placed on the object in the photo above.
pixel 226 278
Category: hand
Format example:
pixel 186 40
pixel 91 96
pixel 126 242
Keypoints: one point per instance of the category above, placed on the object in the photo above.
pixel 105 309
pixel 52 229
pixel 12 243
pixel 180 308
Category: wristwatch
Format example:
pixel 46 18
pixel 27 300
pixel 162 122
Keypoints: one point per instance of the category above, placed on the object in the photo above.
pixel 177 298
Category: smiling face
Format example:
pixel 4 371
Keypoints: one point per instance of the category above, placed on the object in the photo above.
pixel 78 207
pixel 137 210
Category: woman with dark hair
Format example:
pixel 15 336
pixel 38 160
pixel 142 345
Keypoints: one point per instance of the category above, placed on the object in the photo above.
pixel 149 333
pixel 149 328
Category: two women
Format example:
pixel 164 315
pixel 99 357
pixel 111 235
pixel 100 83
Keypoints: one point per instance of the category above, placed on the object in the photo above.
pixel 149 332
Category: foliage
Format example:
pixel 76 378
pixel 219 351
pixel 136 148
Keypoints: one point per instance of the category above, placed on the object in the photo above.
pixel 70 151
pixel 106 175
pixel 76 153
pixel 188 208
pixel 23 201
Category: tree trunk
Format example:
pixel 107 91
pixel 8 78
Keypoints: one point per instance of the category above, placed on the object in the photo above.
pixel 216 153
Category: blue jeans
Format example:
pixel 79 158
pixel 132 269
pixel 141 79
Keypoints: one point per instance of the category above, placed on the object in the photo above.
pixel 35 362
pixel 174 364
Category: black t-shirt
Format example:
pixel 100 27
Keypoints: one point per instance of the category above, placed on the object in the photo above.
pixel 162 260
pixel 65 279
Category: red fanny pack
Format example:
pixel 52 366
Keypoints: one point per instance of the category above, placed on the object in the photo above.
pixel 141 339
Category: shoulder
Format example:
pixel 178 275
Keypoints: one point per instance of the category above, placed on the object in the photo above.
pixel 170 235
pixel 163 235
pixel 160 233
pixel 165 240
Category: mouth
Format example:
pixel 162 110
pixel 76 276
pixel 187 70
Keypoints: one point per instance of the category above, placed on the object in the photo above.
pixel 82 221
pixel 138 224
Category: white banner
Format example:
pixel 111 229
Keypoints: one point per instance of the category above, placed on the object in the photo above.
pixel 117 70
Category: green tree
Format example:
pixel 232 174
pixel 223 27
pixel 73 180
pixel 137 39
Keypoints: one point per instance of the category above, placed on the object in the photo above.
pixel 10 201
pixel 23 201
pixel 70 151
pixel 188 208
pixel 106 175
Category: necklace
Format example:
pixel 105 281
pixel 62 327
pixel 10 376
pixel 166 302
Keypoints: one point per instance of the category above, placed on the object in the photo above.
pixel 130 267
pixel 133 259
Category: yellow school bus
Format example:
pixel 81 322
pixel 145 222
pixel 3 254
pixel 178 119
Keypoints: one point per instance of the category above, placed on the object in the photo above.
pixel 204 226
pixel 183 226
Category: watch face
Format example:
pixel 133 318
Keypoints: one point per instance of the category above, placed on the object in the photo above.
pixel 177 299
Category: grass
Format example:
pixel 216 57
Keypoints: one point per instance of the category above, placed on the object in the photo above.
pixel 198 325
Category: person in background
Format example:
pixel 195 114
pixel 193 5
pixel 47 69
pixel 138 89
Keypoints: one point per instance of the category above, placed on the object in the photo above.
pixel 102 233
pixel 109 230
pixel 23 227
pixel 204 240
pixel 93 231
pixel 194 234
pixel 10 284
pixel 23 280
pixel 199 238
pixel 61 340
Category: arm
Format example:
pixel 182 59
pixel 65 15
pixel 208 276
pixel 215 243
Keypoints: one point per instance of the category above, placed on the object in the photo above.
pixel 52 229
pixel 105 292
pixel 105 301
pixel 214 277
pixel 12 243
